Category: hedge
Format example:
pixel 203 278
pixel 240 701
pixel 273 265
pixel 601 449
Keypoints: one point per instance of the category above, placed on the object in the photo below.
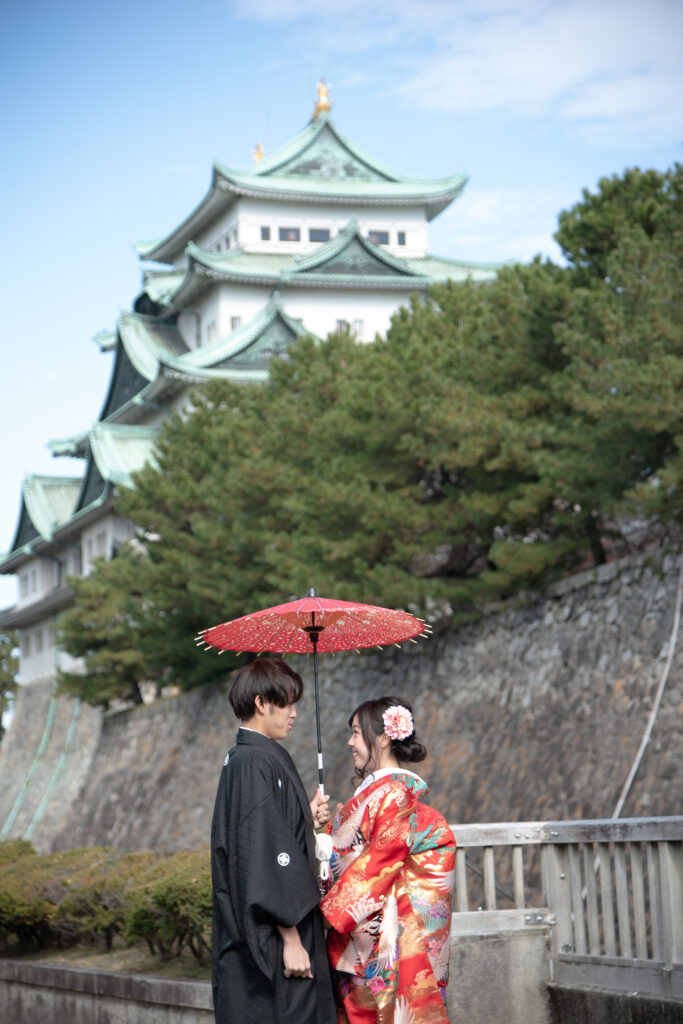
pixel 91 895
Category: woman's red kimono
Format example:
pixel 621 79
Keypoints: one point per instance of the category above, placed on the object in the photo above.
pixel 390 905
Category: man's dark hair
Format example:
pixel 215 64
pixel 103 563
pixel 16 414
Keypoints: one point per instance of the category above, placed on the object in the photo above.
pixel 270 678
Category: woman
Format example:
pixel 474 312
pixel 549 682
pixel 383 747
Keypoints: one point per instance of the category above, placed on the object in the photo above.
pixel 389 907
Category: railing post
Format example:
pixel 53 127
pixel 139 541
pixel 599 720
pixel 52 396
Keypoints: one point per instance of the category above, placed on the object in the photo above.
pixel 621 886
pixel 638 894
pixel 577 900
pixel 654 886
pixel 606 899
pixel 558 895
pixel 489 879
pixel 671 875
pixel 518 875
pixel 461 879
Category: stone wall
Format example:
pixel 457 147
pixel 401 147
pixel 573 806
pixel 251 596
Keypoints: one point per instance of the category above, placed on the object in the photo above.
pixel 535 712
pixel 45 758
pixel 31 992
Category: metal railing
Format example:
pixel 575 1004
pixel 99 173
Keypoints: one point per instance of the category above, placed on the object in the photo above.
pixel 610 893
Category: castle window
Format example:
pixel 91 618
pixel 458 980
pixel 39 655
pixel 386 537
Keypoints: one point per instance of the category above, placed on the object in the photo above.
pixel 211 331
pixel 23 585
pixel 342 325
pixel 318 234
pixel 358 329
pixel 235 321
pixel 378 237
pixel 265 234
pixel 290 235
pixel 25 645
pixel 39 641
pixel 101 543
pixel 401 238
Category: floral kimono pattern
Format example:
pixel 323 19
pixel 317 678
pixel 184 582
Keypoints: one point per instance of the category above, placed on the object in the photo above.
pixel 390 904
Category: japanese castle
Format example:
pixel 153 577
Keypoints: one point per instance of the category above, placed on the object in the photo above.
pixel 315 237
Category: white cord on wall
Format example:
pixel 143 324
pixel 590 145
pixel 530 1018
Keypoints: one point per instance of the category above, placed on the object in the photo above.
pixel 658 698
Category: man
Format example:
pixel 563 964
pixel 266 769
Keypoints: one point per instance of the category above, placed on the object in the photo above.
pixel 269 959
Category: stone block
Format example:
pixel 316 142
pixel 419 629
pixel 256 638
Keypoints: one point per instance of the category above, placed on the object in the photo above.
pixel 499 978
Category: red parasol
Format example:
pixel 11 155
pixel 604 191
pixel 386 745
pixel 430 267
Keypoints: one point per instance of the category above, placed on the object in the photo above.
pixel 314 624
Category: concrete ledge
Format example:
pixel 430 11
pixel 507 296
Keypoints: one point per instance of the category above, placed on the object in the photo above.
pixel 54 994
pixel 598 1006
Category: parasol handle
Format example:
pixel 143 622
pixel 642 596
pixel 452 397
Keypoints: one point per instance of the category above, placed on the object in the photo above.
pixel 313 634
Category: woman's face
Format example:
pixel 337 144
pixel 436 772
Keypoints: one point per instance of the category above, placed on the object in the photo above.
pixel 362 756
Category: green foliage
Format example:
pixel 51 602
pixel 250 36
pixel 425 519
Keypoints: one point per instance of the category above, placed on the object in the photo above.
pixel 82 896
pixel 11 850
pixel 96 899
pixel 9 666
pixel 592 230
pixel 99 627
pixel 171 910
pixel 30 890
pixel 495 439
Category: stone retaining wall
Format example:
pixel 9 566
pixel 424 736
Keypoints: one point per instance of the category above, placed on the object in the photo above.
pixel 535 712
pixel 494 977
pixel 45 758
pixel 596 1006
pixel 32 992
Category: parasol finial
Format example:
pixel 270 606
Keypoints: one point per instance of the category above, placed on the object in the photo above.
pixel 311 592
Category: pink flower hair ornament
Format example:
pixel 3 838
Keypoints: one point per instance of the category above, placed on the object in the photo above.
pixel 398 722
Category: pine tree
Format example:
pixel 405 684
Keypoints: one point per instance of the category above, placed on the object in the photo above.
pixel 496 438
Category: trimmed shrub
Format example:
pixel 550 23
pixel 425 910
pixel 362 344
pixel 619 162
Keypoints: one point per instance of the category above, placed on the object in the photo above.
pixel 14 849
pixel 171 911
pixel 82 896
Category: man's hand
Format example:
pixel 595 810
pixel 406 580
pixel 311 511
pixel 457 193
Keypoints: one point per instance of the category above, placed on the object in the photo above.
pixel 294 957
pixel 320 809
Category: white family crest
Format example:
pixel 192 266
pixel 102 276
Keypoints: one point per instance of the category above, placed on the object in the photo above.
pixel 283 859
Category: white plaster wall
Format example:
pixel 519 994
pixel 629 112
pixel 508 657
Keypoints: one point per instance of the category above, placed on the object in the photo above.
pixel 218 306
pixel 319 309
pixel 190 325
pixel 99 538
pixel 221 234
pixel 368 313
pixel 241 300
pixel 35 579
pixel 41 658
pixel 252 214
pixel 38 651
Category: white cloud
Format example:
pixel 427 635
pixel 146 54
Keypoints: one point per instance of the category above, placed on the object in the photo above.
pixel 586 62
pixel 498 224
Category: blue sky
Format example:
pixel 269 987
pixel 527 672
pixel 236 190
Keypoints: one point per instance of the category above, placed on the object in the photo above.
pixel 112 114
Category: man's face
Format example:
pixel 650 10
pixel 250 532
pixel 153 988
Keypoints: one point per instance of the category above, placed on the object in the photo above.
pixel 278 722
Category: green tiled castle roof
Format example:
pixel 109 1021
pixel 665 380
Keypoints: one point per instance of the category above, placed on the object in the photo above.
pixel 319 165
pixel 346 261
pixel 46 503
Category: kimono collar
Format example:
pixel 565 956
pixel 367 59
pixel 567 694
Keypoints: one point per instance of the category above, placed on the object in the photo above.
pixel 252 738
pixel 382 773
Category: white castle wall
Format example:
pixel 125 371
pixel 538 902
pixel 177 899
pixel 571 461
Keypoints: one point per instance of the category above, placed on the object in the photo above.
pixel 241 225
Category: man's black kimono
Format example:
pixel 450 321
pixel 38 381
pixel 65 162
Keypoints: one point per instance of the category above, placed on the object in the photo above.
pixel 264 874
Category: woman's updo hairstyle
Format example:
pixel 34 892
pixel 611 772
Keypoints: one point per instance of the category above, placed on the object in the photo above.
pixel 371 722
